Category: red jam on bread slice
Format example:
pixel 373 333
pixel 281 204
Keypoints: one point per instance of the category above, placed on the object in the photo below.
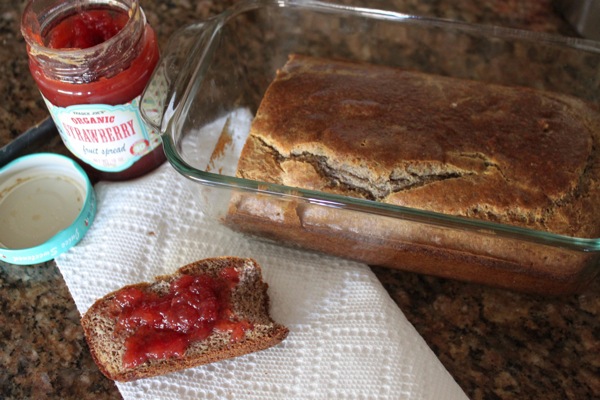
pixel 209 310
pixel 163 326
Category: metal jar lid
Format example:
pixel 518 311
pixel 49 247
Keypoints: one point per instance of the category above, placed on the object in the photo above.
pixel 47 205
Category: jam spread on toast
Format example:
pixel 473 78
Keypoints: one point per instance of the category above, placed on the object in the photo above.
pixel 163 326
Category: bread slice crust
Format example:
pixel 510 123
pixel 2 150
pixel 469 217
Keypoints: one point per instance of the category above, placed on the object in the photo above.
pixel 249 301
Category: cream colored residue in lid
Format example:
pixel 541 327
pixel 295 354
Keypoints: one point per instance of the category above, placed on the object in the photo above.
pixel 34 209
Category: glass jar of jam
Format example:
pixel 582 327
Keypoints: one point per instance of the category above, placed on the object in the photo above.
pixel 91 60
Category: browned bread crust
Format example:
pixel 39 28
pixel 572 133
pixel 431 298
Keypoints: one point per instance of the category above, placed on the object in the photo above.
pixel 249 300
pixel 512 155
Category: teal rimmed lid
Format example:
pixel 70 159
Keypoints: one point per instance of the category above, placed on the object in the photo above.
pixel 47 205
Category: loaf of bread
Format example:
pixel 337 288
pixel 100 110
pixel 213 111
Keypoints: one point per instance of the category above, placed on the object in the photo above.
pixel 459 147
pixel 207 311
pixel 512 155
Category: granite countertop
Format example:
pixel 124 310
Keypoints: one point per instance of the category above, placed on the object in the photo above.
pixel 496 344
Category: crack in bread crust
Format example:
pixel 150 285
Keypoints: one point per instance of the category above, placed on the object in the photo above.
pixel 400 180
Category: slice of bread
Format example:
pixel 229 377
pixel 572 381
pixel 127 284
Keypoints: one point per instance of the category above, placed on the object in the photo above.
pixel 248 302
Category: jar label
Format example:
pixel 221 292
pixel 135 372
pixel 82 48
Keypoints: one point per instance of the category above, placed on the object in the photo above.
pixel 109 138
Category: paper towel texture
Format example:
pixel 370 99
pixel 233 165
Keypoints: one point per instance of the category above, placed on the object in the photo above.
pixel 348 339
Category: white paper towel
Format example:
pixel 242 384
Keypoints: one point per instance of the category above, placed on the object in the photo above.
pixel 348 339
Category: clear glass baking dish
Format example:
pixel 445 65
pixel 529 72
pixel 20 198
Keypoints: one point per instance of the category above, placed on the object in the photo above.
pixel 213 75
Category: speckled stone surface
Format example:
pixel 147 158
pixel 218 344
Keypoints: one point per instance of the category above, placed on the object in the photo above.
pixel 497 344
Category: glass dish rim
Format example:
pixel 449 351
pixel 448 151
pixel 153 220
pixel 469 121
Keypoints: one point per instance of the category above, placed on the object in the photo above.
pixel 215 24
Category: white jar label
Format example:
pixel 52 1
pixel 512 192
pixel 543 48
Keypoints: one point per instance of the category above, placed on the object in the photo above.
pixel 109 138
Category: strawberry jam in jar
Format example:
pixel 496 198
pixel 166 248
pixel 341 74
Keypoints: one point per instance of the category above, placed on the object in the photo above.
pixel 91 60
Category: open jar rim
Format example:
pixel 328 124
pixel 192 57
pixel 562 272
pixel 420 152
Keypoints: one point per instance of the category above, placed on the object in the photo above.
pixel 82 65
